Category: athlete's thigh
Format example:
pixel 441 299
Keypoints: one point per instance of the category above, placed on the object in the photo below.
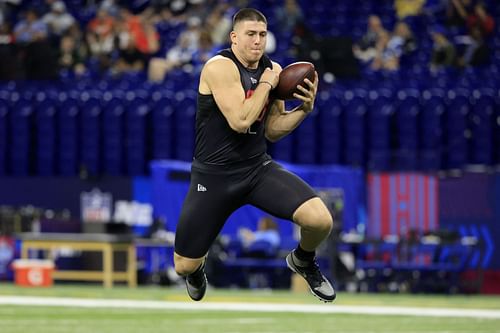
pixel 207 206
pixel 279 192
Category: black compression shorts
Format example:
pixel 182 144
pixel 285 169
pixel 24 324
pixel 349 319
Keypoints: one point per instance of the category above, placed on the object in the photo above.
pixel 214 195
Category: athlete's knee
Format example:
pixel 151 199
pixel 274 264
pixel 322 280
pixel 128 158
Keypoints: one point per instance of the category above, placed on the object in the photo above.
pixel 314 215
pixel 321 220
pixel 185 266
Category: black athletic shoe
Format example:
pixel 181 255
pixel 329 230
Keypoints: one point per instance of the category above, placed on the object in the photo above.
pixel 196 283
pixel 318 283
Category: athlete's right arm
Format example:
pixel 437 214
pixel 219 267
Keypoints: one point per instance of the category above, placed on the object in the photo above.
pixel 220 77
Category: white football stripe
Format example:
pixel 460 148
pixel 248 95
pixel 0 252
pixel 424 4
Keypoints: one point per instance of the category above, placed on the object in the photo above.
pixel 256 307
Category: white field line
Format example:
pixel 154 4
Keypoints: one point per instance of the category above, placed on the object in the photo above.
pixel 253 307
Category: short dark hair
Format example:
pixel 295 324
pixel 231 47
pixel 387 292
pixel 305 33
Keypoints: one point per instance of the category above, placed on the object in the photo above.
pixel 248 14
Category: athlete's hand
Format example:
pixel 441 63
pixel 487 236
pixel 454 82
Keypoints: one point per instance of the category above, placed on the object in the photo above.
pixel 270 76
pixel 308 95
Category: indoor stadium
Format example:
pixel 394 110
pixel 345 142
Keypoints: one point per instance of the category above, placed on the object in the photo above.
pixel 250 166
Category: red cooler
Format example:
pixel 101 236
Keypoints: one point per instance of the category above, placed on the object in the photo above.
pixel 33 272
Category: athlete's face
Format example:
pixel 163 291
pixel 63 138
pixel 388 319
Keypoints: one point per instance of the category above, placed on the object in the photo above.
pixel 249 39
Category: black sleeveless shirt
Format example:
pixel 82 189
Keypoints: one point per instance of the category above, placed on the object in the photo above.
pixel 216 142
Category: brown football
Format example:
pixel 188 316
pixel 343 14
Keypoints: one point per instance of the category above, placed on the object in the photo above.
pixel 291 76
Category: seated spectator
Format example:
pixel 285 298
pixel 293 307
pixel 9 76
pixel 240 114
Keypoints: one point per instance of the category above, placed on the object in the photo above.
pixel 70 56
pixel 142 31
pixel 111 7
pixel 8 65
pixel 289 15
pixel 30 29
pixel 100 36
pixel 37 56
pixel 205 51
pixel 443 51
pixel 179 55
pixel 481 19
pixel 476 51
pixel 58 19
pixel 365 50
pixel 130 58
pixel 219 22
pixel 391 49
pixel 265 241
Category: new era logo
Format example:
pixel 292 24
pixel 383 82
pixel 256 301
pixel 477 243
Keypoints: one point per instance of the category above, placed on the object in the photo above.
pixel 254 81
pixel 201 188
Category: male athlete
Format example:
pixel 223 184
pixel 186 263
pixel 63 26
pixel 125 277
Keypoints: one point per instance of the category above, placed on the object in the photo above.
pixel 231 168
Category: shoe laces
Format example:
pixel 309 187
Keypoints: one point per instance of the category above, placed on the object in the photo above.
pixel 313 273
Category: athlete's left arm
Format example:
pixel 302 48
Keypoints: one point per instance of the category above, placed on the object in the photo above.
pixel 280 122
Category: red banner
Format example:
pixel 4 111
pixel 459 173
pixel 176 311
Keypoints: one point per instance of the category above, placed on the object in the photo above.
pixel 398 203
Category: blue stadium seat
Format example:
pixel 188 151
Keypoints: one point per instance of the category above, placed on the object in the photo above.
pixel 113 136
pixel 306 142
pixel 137 115
pixel 46 122
pixel 91 133
pixel 184 115
pixel 432 118
pixel 379 160
pixel 163 110
pixel 408 111
pixel 381 111
pixel 482 125
pixel 21 134
pixel 458 109
pixel 4 125
pixel 355 113
pixel 68 133
pixel 330 128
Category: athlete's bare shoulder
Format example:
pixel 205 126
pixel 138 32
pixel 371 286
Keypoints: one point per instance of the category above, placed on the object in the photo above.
pixel 217 57
pixel 276 67
pixel 217 69
pixel 217 63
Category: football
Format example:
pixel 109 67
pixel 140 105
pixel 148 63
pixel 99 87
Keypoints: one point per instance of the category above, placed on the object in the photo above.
pixel 291 76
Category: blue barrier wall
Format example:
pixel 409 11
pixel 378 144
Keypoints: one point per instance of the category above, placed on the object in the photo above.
pixel 59 193
pixel 470 204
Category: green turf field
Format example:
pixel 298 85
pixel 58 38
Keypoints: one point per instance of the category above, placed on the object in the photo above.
pixel 27 318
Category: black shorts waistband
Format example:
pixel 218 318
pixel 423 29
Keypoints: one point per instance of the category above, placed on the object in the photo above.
pixel 231 167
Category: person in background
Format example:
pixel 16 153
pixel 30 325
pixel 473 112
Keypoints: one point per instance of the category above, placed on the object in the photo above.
pixel 38 57
pixel 265 240
pixel 58 20
pixel 288 16
pixel 9 64
pixel 179 55
pixel 481 19
pixel 30 29
pixel 366 49
pixel 100 37
pixel 476 51
pixel 443 51
pixel 391 49
pixel 205 50
pixel 70 56
pixel 218 22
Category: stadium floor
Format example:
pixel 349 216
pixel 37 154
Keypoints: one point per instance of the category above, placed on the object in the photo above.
pixel 90 308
